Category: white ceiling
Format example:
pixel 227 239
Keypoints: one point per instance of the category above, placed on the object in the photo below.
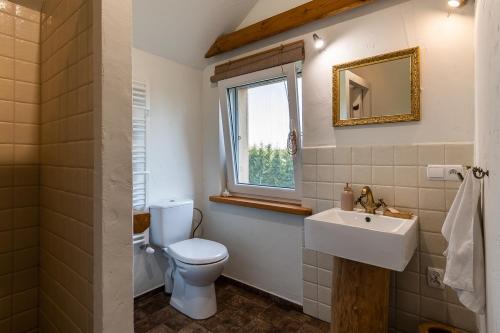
pixel 183 30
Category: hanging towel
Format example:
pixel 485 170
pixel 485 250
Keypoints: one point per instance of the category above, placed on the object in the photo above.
pixel 464 255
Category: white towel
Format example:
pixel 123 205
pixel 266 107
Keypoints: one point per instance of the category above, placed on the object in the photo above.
pixel 464 256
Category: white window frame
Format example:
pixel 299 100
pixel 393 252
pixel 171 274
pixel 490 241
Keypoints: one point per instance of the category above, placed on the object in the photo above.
pixel 288 71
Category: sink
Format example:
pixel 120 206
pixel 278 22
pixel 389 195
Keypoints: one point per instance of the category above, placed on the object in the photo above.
pixel 384 241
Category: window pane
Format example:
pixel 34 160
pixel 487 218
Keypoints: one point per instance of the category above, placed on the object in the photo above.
pixel 261 121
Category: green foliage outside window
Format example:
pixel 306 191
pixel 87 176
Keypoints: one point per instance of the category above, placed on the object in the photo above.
pixel 270 167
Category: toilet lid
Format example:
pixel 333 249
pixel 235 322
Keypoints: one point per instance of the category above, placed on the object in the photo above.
pixel 197 251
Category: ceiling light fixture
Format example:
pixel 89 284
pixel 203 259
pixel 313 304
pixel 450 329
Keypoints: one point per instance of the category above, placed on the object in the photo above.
pixel 456 3
pixel 318 42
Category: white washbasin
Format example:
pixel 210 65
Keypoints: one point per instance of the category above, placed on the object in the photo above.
pixel 386 242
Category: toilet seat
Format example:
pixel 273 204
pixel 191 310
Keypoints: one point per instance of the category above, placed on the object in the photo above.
pixel 197 251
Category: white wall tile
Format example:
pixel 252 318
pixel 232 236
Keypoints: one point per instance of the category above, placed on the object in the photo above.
pixel 362 174
pixel 309 173
pixel 342 173
pixel 310 273
pixel 432 199
pixel 310 307
pixel 309 189
pixel 309 156
pixel 310 291
pixel 430 154
pixel 383 175
pixel 324 312
pixel 361 155
pixel 309 257
pixel 406 197
pixel 324 205
pixel 342 155
pixel 406 155
pixel 325 191
pixel 325 156
pixel 324 278
pixel 406 176
pixel 325 173
pixel 383 155
pixel 325 261
pixel 324 295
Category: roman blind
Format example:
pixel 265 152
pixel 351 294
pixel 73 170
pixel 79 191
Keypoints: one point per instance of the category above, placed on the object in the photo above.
pixel 277 56
pixel 140 115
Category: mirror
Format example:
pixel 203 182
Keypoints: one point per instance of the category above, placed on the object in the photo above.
pixel 380 89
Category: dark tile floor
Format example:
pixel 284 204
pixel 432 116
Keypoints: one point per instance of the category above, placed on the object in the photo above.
pixel 239 310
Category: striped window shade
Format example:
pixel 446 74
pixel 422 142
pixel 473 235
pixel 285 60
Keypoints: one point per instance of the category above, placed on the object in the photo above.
pixel 140 120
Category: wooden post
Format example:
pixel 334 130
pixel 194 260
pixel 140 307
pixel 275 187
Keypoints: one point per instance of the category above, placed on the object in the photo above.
pixel 360 297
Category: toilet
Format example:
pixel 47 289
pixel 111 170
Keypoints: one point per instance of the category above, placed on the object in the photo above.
pixel 193 263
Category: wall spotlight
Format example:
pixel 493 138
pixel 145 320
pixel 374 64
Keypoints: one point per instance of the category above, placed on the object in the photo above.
pixel 318 42
pixel 456 3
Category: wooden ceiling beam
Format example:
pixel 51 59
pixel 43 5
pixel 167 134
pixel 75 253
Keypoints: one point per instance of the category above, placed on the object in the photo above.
pixel 293 18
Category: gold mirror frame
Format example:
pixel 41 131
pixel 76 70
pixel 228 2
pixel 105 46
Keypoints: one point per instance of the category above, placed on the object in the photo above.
pixel 414 54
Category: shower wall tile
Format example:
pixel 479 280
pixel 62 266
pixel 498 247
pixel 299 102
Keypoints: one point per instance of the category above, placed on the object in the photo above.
pixel 398 175
pixel 66 158
pixel 19 169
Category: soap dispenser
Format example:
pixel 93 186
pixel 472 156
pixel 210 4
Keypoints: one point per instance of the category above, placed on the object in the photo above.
pixel 347 198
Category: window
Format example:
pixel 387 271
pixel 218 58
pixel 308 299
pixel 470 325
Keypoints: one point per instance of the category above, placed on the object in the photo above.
pixel 259 111
pixel 140 115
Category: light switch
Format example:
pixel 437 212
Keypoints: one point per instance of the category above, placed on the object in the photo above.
pixel 435 172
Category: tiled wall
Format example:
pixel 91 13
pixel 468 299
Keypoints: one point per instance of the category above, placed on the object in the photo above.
pixel 19 171
pixel 398 175
pixel 66 225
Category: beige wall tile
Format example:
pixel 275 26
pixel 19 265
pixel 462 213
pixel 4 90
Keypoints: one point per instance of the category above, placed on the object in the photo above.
pixel 6 111
pixel 324 191
pixel 462 154
pixel 25 238
pixel 408 302
pixel 29 72
pixel 323 205
pixel 383 175
pixel 7 6
pixel 408 281
pixel 6 46
pixel 325 156
pixel 325 173
pixel 26 154
pixel 25 321
pixel 5 285
pixel 28 13
pixel 324 295
pixel 5 309
pixel 342 155
pixel 6 219
pixel 342 174
pixel 6 154
pixel 432 199
pixel 25 300
pixel 26 134
pixel 6 198
pixel 27 92
pixel 309 173
pixel 6 67
pixel 310 290
pixel 27 30
pixel 6 24
pixel 433 309
pixel 309 189
pixel 6 263
pixel 431 220
pixel 387 193
pixel 26 217
pixel 362 174
pixel 6 89
pixel 406 176
pixel 309 156
pixel 361 155
pixel 424 182
pixel 310 273
pixel 26 258
pixel 406 197
pixel 25 280
pixel 406 155
pixel 430 154
pixel 432 243
pixel 383 155
pixel 6 176
pixel 6 133
pixel 6 241
pixel 27 113
pixel 27 51
pixel 462 318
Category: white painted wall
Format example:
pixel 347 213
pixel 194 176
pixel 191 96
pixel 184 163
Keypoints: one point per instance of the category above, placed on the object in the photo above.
pixel 253 238
pixel 487 143
pixel 175 155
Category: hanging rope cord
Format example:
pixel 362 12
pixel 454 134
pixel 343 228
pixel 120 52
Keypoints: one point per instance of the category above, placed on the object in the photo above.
pixel 291 143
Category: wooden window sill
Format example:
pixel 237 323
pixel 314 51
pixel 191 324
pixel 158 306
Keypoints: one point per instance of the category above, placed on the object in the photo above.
pixel 275 206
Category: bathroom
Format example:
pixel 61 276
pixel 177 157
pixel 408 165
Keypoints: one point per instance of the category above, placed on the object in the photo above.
pixel 104 102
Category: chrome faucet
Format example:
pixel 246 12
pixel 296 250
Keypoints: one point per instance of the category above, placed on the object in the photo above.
pixel 369 205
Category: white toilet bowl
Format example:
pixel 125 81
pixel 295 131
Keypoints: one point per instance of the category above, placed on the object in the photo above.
pixel 197 263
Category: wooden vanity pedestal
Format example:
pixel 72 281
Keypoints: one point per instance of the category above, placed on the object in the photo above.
pixel 360 297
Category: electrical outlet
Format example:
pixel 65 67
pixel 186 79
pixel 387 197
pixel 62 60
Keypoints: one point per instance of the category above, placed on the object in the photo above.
pixel 435 277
